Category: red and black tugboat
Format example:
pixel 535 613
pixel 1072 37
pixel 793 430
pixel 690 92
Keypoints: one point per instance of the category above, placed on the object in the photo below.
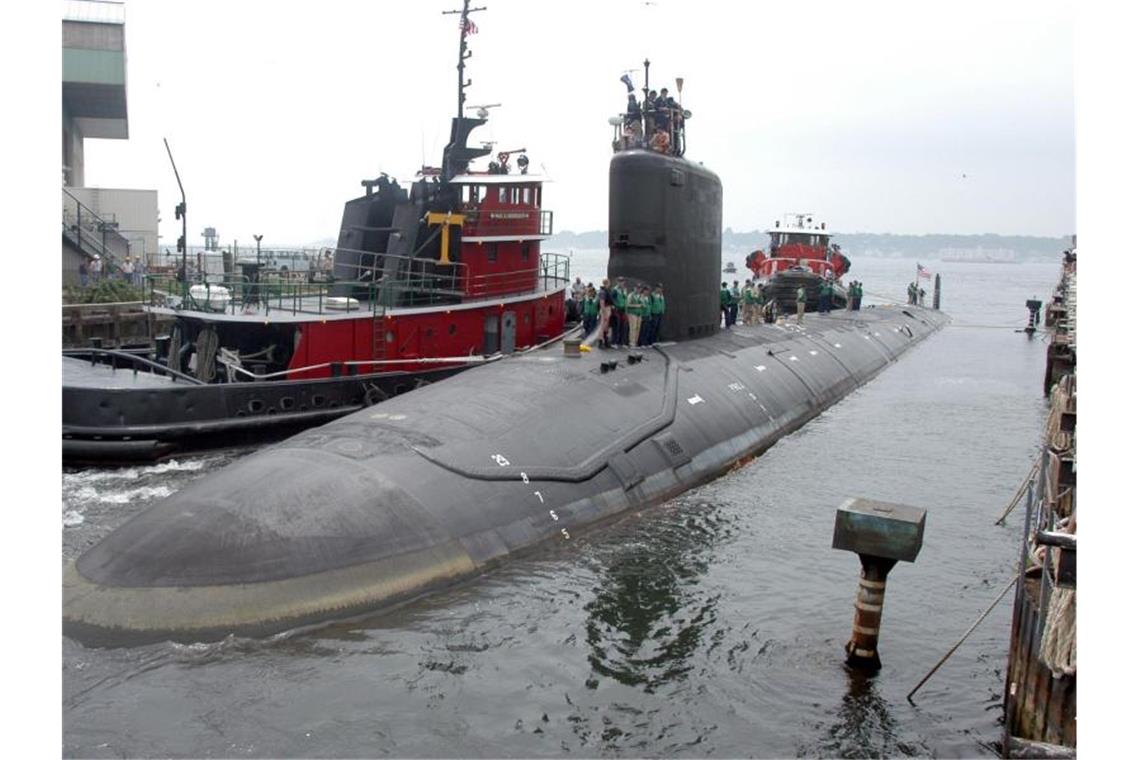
pixel 426 281
pixel 800 253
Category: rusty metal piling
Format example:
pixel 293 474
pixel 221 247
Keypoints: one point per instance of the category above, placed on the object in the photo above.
pixel 881 534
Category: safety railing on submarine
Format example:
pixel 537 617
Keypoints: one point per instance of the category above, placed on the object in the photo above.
pixel 420 282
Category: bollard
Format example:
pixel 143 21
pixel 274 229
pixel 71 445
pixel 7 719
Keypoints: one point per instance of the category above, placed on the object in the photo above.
pixel 881 534
pixel 161 347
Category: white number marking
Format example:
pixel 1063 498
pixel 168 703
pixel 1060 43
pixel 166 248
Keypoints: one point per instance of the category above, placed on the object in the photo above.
pixel 539 495
pixel 696 400
pixel 525 478
pixel 565 533
pixel 500 460
pixel 553 515
pixel 760 368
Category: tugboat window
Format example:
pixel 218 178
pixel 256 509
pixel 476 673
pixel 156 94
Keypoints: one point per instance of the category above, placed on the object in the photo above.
pixel 502 194
pixel 492 251
pixel 526 252
pixel 526 196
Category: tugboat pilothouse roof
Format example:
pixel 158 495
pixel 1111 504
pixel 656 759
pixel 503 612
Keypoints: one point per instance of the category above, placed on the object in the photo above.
pixel 800 223
pixel 498 179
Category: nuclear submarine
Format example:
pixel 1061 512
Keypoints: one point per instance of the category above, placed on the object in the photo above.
pixel 445 482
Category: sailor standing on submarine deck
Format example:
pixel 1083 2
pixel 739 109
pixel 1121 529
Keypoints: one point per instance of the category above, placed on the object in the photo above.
pixel 801 304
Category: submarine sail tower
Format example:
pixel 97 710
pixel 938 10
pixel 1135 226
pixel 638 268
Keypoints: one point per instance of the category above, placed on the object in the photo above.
pixel 665 215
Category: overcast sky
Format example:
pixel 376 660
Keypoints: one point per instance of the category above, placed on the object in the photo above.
pixel 867 114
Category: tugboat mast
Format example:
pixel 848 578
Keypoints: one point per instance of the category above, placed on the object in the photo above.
pixel 465 27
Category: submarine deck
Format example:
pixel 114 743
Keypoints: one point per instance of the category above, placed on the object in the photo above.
pixel 441 483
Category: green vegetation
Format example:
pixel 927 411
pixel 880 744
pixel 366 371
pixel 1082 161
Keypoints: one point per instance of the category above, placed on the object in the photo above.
pixel 105 291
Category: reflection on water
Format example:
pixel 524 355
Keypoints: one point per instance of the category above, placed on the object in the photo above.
pixel 649 611
pixel 865 725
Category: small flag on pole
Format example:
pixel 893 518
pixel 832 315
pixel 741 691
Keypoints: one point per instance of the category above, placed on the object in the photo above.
pixel 923 272
pixel 468 26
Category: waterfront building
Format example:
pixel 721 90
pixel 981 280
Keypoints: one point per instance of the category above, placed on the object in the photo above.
pixel 111 223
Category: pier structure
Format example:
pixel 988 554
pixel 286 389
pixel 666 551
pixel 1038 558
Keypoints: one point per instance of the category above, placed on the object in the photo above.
pixel 1061 316
pixel 1040 697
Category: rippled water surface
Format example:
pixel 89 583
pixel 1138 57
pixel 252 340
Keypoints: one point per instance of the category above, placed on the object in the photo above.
pixel 713 625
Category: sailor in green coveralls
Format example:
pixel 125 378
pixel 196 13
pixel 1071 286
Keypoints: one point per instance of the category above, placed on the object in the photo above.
pixel 621 326
pixel 656 314
pixel 589 311
pixel 749 295
pixel 633 307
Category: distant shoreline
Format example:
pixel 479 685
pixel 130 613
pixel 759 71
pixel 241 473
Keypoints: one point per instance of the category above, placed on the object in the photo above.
pixel 884 245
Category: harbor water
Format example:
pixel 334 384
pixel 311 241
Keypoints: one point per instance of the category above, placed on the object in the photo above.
pixel 713 625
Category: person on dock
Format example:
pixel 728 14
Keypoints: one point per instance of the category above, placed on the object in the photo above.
pixel 96 269
pixel 801 304
pixel 83 273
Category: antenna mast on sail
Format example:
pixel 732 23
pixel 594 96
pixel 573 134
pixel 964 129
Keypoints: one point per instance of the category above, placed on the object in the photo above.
pixel 466 27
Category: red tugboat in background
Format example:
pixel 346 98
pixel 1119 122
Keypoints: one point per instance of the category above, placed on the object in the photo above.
pixel 425 282
pixel 799 254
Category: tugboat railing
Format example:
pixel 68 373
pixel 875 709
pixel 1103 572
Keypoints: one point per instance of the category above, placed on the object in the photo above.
pixel 245 295
pixel 131 358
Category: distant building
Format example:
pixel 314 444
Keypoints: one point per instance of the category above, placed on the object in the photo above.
pixel 98 222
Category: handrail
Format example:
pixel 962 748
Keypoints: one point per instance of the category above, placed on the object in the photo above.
pixel 84 231
pixel 421 287
pixel 102 305
pixel 76 352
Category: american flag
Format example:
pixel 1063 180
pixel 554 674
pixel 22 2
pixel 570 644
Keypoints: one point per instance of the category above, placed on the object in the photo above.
pixel 923 272
pixel 468 26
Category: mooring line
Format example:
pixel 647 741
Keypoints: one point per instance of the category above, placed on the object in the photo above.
pixel 977 622
pixel 1017 496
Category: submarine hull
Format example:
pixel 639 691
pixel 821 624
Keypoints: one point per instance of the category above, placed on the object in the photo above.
pixel 440 484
